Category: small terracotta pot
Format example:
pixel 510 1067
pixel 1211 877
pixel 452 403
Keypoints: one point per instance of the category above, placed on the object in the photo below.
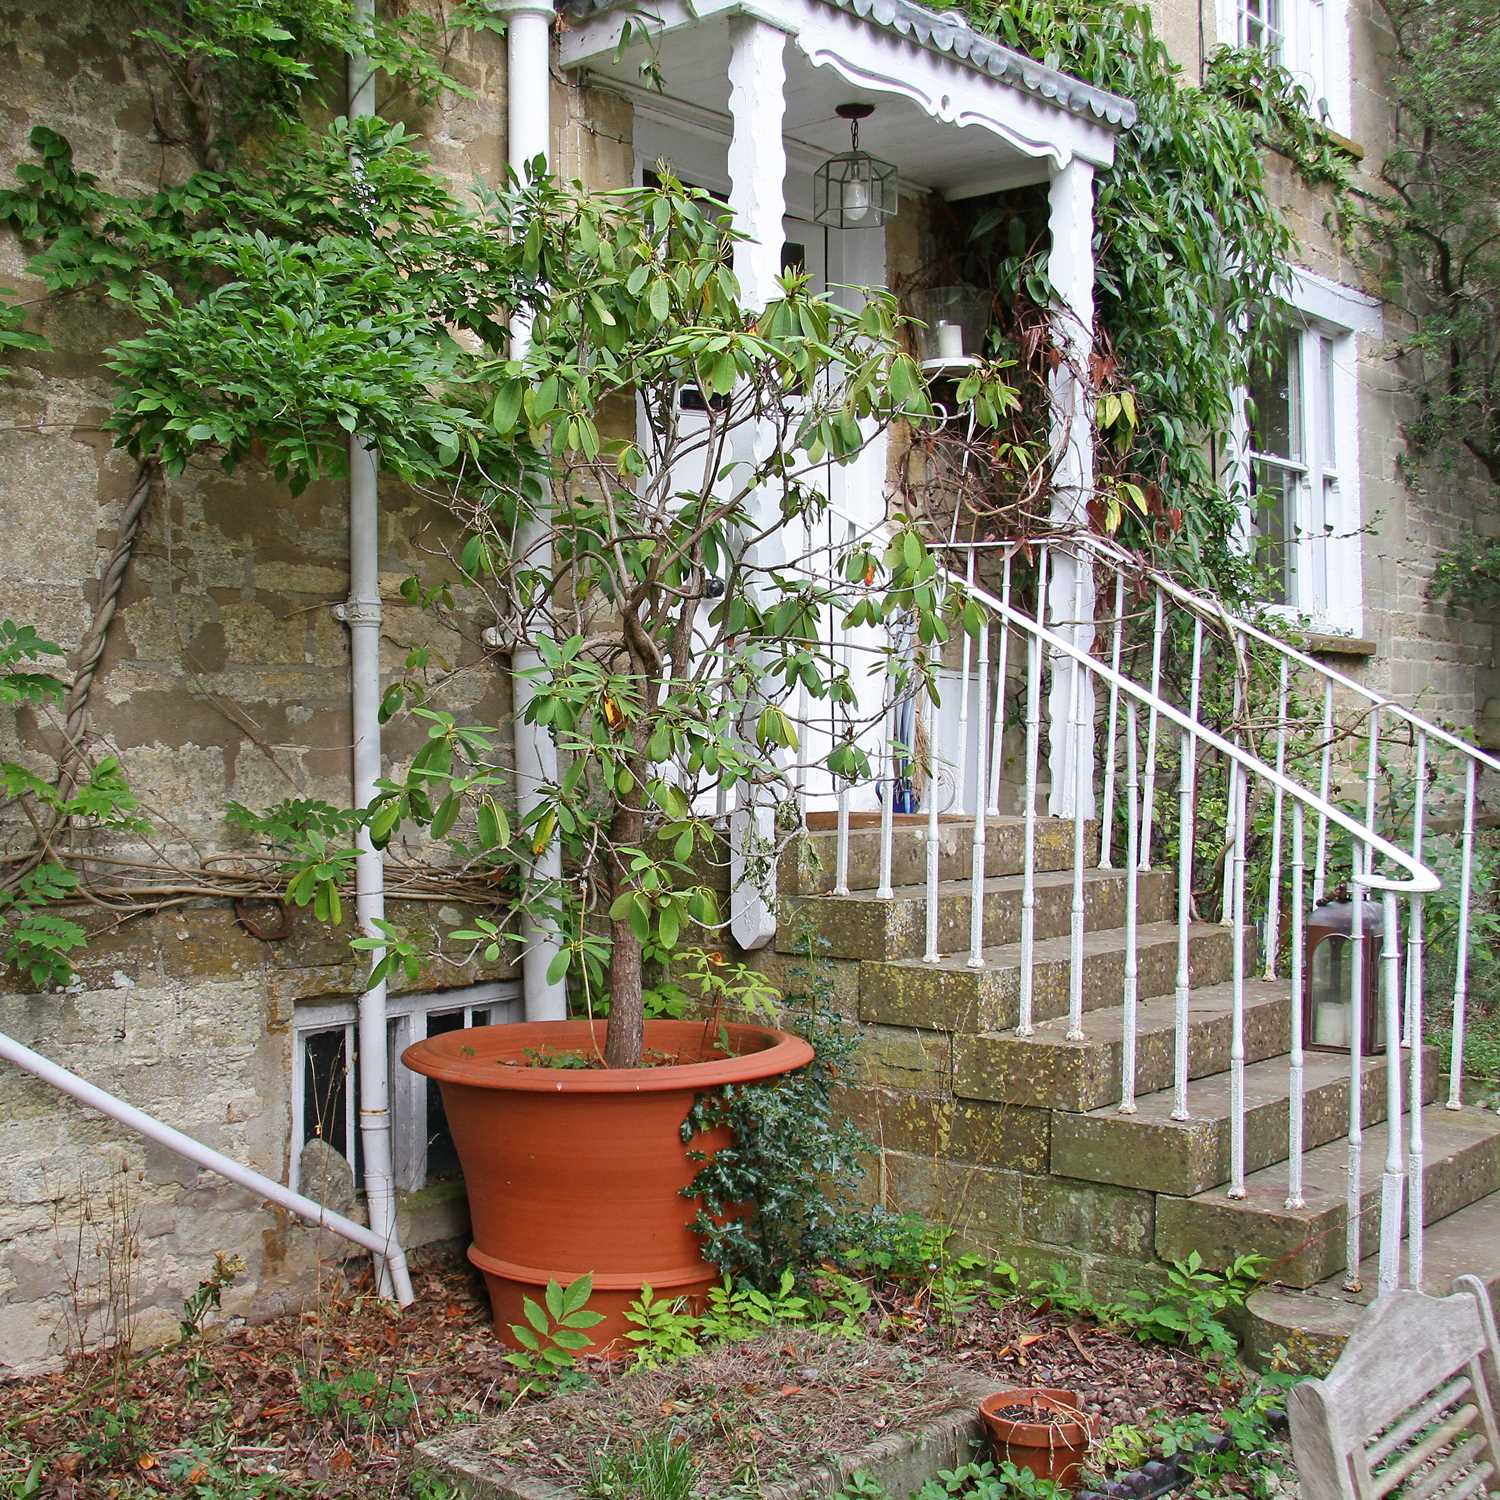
pixel 1050 1449
pixel 581 1170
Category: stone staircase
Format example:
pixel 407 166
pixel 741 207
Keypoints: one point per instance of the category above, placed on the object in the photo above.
pixel 1019 1143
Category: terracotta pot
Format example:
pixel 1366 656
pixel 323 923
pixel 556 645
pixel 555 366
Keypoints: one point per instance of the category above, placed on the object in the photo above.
pixel 1051 1449
pixel 581 1170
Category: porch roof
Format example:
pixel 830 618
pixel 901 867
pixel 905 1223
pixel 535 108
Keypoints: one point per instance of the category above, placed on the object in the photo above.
pixel 927 70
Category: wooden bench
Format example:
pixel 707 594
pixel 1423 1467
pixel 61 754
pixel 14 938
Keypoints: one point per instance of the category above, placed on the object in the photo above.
pixel 1409 1410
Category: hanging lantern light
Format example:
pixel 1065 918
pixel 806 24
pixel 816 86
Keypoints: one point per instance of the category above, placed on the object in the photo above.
pixel 854 190
pixel 1328 1003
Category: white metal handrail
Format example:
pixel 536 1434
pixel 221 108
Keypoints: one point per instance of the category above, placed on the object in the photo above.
pixel 1383 872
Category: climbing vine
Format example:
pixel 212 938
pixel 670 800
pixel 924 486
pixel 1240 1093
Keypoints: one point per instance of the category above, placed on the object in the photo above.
pixel 1191 257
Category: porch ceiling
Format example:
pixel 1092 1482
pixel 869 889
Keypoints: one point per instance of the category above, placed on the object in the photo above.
pixel 957 113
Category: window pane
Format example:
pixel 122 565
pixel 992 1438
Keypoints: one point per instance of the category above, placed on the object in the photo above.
pixel 1327 430
pixel 442 1159
pixel 1261 25
pixel 1275 412
pixel 325 1083
pixel 1273 500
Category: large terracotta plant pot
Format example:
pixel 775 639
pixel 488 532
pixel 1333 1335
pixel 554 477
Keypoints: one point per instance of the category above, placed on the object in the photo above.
pixel 581 1170
pixel 1052 1444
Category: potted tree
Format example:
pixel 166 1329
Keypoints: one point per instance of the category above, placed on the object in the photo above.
pixel 690 616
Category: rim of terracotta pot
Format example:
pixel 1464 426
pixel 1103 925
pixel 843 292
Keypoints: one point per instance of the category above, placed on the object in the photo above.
pixel 444 1058
pixel 1038 1434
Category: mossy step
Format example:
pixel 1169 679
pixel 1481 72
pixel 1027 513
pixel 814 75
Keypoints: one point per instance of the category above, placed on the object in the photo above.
pixel 863 925
pixel 1047 1070
pixel 1312 1325
pixel 1306 1245
pixel 1149 1149
pixel 950 996
pixel 811 863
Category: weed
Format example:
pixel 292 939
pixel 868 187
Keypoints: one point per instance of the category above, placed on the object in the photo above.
pixel 986 1481
pixel 1188 1311
pixel 658 1468
pixel 862 1485
pixel 358 1400
pixel 665 1331
pixel 552 1336
pixel 112 1436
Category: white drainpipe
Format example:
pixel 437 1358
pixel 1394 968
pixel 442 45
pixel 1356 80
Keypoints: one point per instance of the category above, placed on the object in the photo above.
pixel 529 135
pixel 361 613
pixel 195 1151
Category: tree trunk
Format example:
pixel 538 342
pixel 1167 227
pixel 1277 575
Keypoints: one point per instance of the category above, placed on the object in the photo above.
pixel 627 1017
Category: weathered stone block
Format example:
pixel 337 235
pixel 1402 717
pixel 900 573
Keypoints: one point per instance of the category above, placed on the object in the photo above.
pixel 981 1203
pixel 1087 1216
pixel 904 1058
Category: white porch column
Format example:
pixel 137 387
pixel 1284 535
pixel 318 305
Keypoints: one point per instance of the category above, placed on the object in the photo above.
pixel 757 155
pixel 1070 588
pixel 757 198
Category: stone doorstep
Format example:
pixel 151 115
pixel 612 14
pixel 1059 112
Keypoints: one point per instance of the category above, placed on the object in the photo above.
pixel 1048 1071
pixel 1151 1150
pixel 1306 1245
pixel 863 925
pixel 902 1461
pixel 809 867
pixel 950 996
pixel 1317 1321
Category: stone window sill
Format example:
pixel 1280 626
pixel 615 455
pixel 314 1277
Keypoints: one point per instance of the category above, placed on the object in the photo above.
pixel 1322 643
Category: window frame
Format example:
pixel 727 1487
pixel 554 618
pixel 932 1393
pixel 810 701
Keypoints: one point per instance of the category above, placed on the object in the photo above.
pixel 1313 45
pixel 407 1018
pixel 1318 310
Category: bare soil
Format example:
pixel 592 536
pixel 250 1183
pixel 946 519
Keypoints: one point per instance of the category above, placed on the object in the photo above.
pixel 331 1401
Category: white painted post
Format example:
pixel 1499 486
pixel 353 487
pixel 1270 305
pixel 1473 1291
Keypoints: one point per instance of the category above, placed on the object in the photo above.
pixel 1070 210
pixel 757 199
pixel 528 136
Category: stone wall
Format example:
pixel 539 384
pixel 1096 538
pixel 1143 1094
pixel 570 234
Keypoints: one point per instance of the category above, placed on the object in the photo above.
pixel 226 677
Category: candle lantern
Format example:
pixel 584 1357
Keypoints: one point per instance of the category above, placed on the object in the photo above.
pixel 1328 1010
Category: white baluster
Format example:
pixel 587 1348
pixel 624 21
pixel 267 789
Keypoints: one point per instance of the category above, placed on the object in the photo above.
pixel 1237 1014
pixel 931 952
pixel 841 859
pixel 963 709
pixel 976 897
pixel 1392 1179
pixel 885 891
pixel 1076 699
pixel 1372 767
pixel 1148 796
pixel 1415 1151
pixel 1107 818
pixel 1184 986
pixel 1028 834
pixel 1414 918
pixel 1461 975
pixel 1295 1197
pixel 1356 1072
pixel 1273 896
pixel 1233 807
pixel 997 752
pixel 1325 771
pixel 1129 992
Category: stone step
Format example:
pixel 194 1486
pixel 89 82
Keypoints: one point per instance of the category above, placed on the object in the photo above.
pixel 810 865
pixel 1048 1071
pixel 1312 1325
pixel 1149 1149
pixel 1306 1245
pixel 862 925
pixel 950 996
